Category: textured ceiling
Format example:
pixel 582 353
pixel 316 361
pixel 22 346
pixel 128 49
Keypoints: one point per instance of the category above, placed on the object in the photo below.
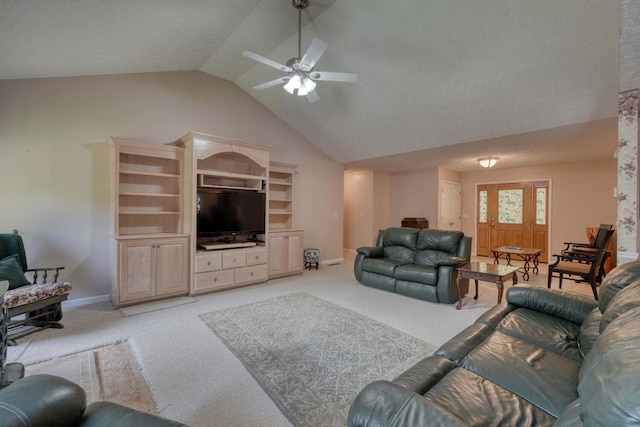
pixel 441 81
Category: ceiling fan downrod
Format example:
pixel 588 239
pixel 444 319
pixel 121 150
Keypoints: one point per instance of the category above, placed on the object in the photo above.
pixel 300 4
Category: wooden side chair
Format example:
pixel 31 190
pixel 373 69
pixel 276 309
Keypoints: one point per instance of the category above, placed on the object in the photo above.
pixel 35 303
pixel 581 267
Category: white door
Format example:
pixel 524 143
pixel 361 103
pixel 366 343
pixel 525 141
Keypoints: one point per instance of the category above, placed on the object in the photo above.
pixel 450 205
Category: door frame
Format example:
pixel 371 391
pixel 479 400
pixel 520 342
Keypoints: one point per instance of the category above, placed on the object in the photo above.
pixel 513 181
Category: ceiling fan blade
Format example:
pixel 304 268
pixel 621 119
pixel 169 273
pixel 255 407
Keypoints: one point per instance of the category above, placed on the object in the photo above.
pixel 272 83
pixel 267 61
pixel 334 77
pixel 315 51
pixel 313 96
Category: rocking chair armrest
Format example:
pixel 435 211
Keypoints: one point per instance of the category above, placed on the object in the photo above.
pixel 44 271
pixel 584 257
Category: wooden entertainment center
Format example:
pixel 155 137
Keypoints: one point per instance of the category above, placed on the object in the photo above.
pixel 159 252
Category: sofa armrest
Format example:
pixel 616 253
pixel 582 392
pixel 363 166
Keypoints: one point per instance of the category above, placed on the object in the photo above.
pixel 451 261
pixel 38 399
pixel 109 414
pixel 371 251
pixel 566 305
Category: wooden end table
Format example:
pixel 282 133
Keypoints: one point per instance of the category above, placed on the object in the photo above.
pixel 525 254
pixel 495 273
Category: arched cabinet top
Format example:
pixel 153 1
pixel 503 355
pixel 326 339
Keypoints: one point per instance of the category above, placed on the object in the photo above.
pixel 205 146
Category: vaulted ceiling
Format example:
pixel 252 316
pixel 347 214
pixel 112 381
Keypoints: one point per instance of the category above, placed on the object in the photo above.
pixel 442 82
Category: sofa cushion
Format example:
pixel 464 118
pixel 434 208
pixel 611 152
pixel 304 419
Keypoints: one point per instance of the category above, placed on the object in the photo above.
pixel 417 273
pixel 627 299
pixel 439 240
pixel 544 378
pixel 549 332
pixel 589 332
pixel 609 375
pixel 616 280
pixel 383 266
pixel 434 258
pixel 396 236
pixel 475 399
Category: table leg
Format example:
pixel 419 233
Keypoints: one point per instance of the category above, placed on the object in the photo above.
pixel 508 259
pixel 496 256
pixel 515 278
pixel 458 280
pixel 535 264
pixel 500 289
pixel 476 297
pixel 526 259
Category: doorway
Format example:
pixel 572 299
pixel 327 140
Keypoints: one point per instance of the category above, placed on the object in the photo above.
pixel 513 214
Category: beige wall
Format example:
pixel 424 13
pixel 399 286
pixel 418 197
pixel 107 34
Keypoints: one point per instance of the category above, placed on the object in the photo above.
pixel 54 160
pixel 413 194
pixel 581 196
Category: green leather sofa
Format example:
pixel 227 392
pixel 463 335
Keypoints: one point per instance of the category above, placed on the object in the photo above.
pixel 50 401
pixel 546 357
pixel 417 263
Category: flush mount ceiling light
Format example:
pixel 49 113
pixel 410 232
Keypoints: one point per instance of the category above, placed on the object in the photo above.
pixel 488 162
pixel 300 76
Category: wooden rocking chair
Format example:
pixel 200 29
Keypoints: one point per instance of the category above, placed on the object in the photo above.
pixel 31 304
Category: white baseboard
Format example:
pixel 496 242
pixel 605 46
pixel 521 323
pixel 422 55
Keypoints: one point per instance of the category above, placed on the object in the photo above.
pixel 332 261
pixel 625 257
pixel 85 301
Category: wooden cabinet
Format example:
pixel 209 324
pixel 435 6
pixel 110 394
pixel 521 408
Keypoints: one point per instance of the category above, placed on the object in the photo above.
pixel 149 269
pixel 152 251
pixel 281 177
pixel 285 253
pixel 224 269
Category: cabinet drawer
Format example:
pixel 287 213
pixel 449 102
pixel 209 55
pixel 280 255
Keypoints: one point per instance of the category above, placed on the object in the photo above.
pixel 234 259
pixel 256 256
pixel 213 280
pixel 208 262
pixel 256 273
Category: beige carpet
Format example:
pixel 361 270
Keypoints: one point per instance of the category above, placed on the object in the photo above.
pixel 106 373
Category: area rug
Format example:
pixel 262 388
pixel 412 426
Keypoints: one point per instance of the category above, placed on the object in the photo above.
pixel 311 356
pixel 105 373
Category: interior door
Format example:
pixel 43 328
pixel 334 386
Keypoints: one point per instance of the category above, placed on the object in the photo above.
pixel 512 214
pixel 450 205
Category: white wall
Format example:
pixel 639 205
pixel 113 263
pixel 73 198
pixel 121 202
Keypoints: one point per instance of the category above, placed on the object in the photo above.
pixel 54 159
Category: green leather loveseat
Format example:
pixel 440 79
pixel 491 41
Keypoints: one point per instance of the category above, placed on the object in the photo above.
pixel 546 357
pixel 50 401
pixel 416 263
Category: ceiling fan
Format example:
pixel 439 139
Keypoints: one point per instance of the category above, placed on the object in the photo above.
pixel 301 77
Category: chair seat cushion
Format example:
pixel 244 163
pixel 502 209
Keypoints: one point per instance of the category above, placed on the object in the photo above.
pixel 573 267
pixel 33 293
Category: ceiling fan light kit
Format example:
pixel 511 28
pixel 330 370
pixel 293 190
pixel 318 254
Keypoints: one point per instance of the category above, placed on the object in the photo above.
pixel 301 77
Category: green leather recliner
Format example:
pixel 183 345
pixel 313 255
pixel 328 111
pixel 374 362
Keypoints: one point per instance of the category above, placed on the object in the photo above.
pixel 50 401
pixel 546 357
pixel 417 263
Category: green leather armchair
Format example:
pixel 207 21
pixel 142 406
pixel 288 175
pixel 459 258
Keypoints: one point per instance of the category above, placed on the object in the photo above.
pixel 50 401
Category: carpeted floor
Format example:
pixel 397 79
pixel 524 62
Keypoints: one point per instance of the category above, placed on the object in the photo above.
pixel 312 357
pixel 194 378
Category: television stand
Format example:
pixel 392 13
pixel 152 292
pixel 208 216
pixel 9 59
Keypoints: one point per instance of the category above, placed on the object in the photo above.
pixel 231 245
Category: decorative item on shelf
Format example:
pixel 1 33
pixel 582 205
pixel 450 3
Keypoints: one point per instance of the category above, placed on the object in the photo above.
pixel 311 258
pixel 419 222
pixel 488 162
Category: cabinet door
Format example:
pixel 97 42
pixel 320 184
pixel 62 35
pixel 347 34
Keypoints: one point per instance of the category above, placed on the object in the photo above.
pixel 295 255
pixel 136 275
pixel 171 266
pixel 277 254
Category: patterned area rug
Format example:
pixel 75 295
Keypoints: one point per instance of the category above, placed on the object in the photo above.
pixel 312 357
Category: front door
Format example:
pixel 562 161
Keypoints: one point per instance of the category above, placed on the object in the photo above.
pixel 513 214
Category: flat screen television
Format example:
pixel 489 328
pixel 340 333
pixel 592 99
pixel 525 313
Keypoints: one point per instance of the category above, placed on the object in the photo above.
pixel 229 213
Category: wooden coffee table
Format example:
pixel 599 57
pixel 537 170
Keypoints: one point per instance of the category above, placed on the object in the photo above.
pixel 495 273
pixel 525 254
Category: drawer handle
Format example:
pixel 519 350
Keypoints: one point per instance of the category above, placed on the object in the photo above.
pixel 215 279
pixel 234 260
pixel 208 262
pixel 256 256
pixel 252 274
